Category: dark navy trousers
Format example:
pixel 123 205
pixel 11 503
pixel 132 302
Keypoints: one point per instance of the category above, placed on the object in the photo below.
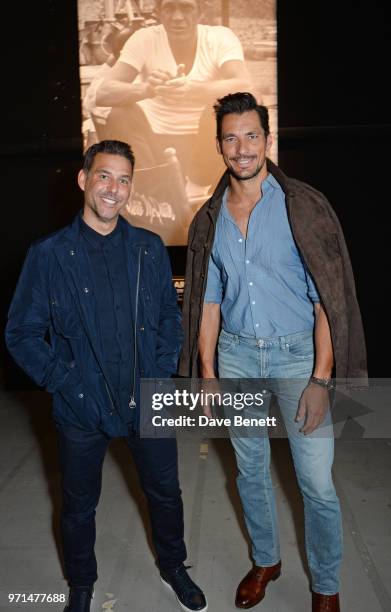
pixel 81 459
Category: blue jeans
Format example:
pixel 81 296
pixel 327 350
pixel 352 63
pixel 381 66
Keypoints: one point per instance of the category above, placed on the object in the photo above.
pixel 284 364
pixel 81 458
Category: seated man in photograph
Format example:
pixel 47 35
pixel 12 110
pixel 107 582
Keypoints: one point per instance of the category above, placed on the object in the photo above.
pixel 164 84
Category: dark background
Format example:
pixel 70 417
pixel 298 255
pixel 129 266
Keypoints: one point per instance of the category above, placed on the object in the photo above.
pixel 334 132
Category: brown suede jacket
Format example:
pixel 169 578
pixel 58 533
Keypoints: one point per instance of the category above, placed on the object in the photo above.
pixel 319 238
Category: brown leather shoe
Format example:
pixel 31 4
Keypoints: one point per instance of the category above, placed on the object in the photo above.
pixel 252 588
pixel 325 603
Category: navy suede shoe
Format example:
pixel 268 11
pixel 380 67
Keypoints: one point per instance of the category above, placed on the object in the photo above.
pixel 188 594
pixel 79 599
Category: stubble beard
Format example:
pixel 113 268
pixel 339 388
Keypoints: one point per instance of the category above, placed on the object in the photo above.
pixel 101 217
pixel 239 177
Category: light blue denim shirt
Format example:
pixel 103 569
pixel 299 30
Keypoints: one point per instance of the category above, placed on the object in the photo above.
pixel 260 281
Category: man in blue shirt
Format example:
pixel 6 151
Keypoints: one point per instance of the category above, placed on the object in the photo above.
pixel 269 285
pixel 101 292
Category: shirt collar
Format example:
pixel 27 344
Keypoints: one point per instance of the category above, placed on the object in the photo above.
pixel 96 240
pixel 270 182
pixel 267 185
pixel 224 207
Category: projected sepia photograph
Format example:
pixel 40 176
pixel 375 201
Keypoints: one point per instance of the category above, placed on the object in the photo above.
pixel 150 74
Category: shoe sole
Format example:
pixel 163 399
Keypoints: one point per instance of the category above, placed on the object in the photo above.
pixel 185 608
pixel 263 596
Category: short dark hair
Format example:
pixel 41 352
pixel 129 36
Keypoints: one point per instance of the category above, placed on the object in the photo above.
pixel 114 147
pixel 239 103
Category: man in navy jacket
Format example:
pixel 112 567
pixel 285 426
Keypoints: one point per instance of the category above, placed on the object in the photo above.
pixel 93 312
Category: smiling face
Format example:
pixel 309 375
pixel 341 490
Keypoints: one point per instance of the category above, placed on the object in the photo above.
pixel 180 19
pixel 244 146
pixel 107 188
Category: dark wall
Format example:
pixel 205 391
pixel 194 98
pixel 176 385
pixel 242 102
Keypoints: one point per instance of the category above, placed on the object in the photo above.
pixel 334 104
pixel 334 133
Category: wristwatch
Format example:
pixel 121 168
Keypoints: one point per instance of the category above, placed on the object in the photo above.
pixel 327 383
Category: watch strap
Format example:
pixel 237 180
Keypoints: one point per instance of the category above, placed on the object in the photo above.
pixel 327 383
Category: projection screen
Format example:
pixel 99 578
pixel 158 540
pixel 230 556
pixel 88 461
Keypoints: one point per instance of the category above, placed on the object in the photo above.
pixel 150 72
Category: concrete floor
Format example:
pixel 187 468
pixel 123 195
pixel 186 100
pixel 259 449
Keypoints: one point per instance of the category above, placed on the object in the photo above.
pixel 215 535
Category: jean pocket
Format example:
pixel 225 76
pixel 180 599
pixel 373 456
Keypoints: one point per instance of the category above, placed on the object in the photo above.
pixel 302 348
pixel 225 342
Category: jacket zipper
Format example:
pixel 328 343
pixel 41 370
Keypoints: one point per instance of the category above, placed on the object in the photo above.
pixel 109 394
pixel 132 402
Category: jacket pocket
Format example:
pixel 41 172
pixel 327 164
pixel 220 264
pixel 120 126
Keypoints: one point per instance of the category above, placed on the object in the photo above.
pixel 66 321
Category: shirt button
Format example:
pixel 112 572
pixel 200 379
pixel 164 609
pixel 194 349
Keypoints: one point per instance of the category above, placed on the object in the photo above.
pixel 256 324
pixel 253 302
pixel 81 395
pixel 251 283
pixel 142 328
pixel 72 252
pixel 247 261
pixel 86 290
pixel 240 240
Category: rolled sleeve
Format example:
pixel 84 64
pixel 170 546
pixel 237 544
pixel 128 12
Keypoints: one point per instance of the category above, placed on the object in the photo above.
pixel 312 291
pixel 214 286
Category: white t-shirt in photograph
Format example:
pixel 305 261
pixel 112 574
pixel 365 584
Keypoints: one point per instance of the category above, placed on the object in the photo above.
pixel 148 49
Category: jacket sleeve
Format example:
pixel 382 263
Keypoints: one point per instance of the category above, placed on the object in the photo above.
pixel 185 360
pixel 357 350
pixel 28 324
pixel 170 334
